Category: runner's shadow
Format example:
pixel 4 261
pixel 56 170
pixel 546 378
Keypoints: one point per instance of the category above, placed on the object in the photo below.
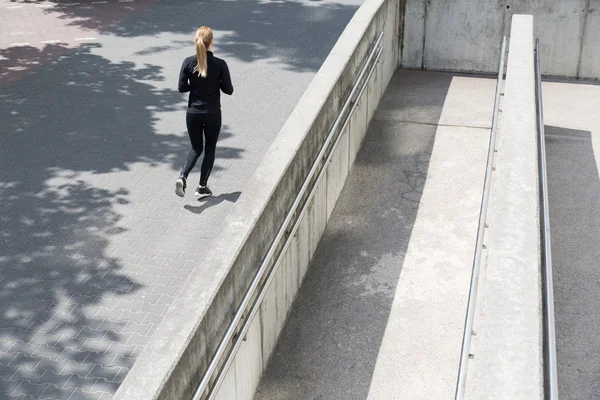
pixel 212 201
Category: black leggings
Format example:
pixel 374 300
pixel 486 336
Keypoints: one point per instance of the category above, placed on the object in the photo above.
pixel 202 127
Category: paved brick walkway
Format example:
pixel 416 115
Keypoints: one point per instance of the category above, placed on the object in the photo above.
pixel 94 245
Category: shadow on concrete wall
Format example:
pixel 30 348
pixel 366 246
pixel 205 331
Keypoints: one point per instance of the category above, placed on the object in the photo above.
pixel 574 192
pixel 331 341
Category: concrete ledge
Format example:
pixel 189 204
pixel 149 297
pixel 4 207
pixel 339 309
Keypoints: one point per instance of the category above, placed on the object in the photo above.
pixel 175 359
pixel 507 341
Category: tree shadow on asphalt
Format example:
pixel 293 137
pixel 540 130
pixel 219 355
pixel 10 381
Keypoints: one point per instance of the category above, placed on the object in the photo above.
pixel 16 61
pixel 297 34
pixel 66 291
pixel 60 216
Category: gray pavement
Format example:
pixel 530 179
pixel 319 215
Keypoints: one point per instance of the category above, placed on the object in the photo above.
pixel 574 188
pixel 380 314
pixel 572 144
pixel 94 245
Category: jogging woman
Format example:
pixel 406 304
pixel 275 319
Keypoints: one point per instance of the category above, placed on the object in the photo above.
pixel 204 76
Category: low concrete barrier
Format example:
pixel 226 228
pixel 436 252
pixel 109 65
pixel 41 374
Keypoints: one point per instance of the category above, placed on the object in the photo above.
pixel 507 344
pixel 466 35
pixel 176 358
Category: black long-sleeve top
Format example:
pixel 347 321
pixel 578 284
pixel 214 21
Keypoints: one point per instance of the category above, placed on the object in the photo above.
pixel 205 93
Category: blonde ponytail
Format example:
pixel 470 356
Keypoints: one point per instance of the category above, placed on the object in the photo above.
pixel 201 59
pixel 204 38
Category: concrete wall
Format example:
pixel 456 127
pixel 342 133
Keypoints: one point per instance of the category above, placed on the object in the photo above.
pixel 173 362
pixel 466 35
pixel 506 347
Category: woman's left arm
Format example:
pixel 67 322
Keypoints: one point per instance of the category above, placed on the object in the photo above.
pixel 184 82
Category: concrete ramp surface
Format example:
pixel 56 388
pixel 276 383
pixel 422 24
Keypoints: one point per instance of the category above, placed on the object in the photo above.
pixel 381 312
pixel 572 142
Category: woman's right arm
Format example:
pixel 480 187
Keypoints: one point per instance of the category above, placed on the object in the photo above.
pixel 184 82
pixel 226 85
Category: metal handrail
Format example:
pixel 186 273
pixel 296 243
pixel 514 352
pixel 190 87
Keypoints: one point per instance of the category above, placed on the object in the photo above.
pixel 232 330
pixel 550 361
pixel 466 343
pixel 271 276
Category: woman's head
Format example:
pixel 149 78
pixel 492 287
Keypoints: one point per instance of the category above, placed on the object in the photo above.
pixel 204 39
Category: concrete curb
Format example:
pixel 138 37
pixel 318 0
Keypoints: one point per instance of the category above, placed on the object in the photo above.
pixel 507 347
